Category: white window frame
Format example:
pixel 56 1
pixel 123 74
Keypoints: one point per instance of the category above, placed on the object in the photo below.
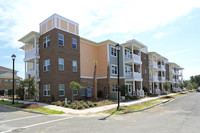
pixel 60 63
pixel 114 88
pixel 45 65
pixel 115 67
pixel 46 88
pixel 114 53
pixel 128 69
pixel 6 91
pixel 59 39
pixel 74 66
pixel 74 43
pixel 5 81
pixel 62 89
pixel 46 40
pixel 75 92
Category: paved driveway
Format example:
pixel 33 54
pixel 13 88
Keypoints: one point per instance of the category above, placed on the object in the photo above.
pixel 180 116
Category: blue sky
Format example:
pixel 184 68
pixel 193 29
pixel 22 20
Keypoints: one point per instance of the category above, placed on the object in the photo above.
pixel 169 27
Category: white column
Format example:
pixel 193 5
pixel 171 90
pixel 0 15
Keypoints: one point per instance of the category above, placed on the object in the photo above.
pixel 34 65
pixel 35 41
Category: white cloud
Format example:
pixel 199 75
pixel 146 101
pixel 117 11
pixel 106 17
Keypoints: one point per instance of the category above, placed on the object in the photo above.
pixel 179 52
pixel 159 35
pixel 96 18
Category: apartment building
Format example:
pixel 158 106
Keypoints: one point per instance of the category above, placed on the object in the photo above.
pixel 57 55
pixel 6 81
pixel 157 72
pixel 175 76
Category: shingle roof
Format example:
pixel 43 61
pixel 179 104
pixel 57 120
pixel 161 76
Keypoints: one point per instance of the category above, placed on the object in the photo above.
pixel 4 69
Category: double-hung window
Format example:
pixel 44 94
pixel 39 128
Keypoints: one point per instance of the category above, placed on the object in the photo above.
pixel 74 43
pixel 60 39
pixel 46 41
pixel 6 81
pixel 114 87
pixel 46 91
pixel 75 92
pixel 46 66
pixel 61 64
pixel 113 51
pixel 61 90
pixel 74 66
pixel 114 69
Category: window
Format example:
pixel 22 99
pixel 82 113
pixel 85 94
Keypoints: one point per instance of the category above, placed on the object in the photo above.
pixel 74 66
pixel 6 91
pixel 114 69
pixel 6 81
pixel 11 81
pixel 46 65
pixel 114 87
pixel 17 82
pixel 75 92
pixel 46 41
pixel 61 90
pixel 60 39
pixel 61 64
pixel 113 51
pixel 46 91
pixel 74 43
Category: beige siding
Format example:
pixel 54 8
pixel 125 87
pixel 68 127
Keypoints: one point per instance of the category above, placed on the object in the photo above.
pixel 44 28
pixel 71 28
pixel 49 25
pixel 63 25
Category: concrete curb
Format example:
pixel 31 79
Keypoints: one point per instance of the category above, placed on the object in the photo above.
pixel 132 111
pixel 25 110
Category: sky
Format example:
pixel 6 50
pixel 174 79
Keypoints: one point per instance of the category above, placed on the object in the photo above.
pixel 168 27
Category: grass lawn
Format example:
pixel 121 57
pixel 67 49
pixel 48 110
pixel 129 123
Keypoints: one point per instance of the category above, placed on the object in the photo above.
pixel 47 111
pixel 134 107
pixel 10 103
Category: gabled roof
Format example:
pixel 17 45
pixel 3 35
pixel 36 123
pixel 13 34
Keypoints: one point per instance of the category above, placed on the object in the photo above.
pixel 4 69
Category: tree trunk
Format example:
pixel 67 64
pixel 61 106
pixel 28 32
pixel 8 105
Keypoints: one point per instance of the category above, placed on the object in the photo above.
pixel 95 82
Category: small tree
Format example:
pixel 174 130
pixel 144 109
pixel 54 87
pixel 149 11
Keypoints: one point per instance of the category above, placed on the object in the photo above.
pixel 20 91
pixel 95 81
pixel 30 83
pixel 166 87
pixel 74 86
pixel 181 86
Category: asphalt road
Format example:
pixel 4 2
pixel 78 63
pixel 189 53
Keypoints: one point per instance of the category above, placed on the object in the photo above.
pixel 179 116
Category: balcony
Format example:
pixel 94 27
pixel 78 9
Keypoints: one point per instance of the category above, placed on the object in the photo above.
pixel 173 71
pixel 162 79
pixel 32 53
pixel 173 80
pixel 136 76
pixel 32 74
pixel 177 72
pixel 135 58
pixel 161 67
pixel 155 65
pixel 155 78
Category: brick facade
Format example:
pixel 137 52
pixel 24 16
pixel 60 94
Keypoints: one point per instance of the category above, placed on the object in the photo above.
pixel 54 77
pixel 145 71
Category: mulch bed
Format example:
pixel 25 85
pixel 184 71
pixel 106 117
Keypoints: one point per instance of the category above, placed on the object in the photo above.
pixel 30 106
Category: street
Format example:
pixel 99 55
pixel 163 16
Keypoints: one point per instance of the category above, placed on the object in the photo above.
pixel 179 116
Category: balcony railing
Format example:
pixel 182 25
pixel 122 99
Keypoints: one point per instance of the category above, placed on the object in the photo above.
pixel 136 76
pixel 32 74
pixel 155 78
pixel 31 53
pixel 173 80
pixel 135 58
pixel 162 79
pixel 155 65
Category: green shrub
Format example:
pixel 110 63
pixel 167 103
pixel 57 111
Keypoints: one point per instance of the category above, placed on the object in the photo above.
pixel 69 102
pixel 95 104
pixel 53 103
pixel 91 104
pixel 82 102
pixel 74 106
pixel 67 105
pixel 63 103
pixel 85 106
pixel 58 103
pixel 80 107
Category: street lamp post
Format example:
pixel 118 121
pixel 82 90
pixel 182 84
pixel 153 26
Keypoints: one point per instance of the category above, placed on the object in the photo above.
pixel 118 48
pixel 13 58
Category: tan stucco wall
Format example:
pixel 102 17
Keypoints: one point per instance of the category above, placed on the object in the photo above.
pixel 63 25
pixel 44 28
pixel 89 53
pixel 71 28
pixel 49 24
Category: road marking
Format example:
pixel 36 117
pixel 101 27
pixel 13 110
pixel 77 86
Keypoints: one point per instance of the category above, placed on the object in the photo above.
pixel 19 118
pixel 42 123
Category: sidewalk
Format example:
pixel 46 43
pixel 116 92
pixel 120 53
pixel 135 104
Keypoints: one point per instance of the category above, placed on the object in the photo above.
pixel 90 110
